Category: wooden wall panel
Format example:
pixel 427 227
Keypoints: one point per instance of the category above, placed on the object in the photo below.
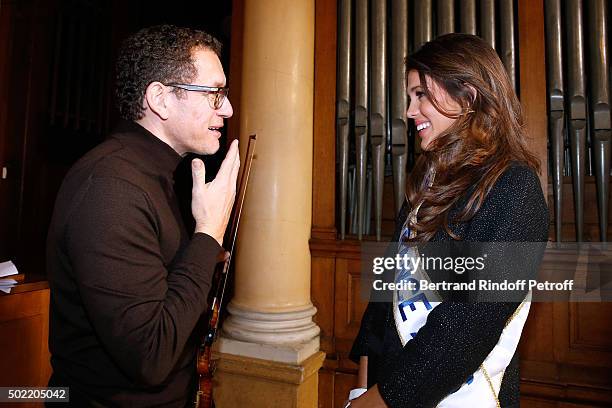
pixel 326 388
pixel 589 331
pixel 534 403
pixel 342 300
pixel 323 287
pixel 560 392
pixel 539 325
pixel 324 142
pixel 24 334
pixel 344 383
pixel 349 303
pixel 574 323
pixel 532 68
pixel 356 302
pixel 538 403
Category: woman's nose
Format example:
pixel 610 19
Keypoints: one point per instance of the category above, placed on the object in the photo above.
pixel 412 110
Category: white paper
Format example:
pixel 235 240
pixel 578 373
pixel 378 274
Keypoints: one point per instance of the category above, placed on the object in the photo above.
pixel 7 268
pixel 356 393
pixel 6 289
pixel 8 282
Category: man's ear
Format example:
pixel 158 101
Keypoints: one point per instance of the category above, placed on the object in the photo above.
pixel 155 99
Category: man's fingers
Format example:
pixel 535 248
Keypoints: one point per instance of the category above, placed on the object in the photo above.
pixel 198 173
pixel 234 175
pixel 233 155
pixel 230 158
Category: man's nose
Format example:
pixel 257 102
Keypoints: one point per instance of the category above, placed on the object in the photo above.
pixel 226 109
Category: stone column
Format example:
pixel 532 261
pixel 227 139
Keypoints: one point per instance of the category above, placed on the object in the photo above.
pixel 270 315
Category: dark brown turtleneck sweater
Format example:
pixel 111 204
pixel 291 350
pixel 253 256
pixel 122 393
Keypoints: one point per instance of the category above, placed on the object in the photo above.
pixel 128 283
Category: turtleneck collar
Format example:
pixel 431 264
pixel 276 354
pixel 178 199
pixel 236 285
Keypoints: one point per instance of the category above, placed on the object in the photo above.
pixel 157 156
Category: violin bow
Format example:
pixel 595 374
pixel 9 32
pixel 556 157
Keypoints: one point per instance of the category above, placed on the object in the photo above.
pixel 205 365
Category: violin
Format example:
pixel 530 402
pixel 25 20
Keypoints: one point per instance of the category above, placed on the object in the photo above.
pixel 204 363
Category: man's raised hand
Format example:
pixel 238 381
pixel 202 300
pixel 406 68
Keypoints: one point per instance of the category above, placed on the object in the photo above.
pixel 211 203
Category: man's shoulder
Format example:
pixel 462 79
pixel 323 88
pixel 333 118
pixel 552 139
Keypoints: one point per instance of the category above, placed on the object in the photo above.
pixel 110 159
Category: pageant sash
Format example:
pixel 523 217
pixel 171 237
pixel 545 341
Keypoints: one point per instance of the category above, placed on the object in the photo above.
pixel 410 311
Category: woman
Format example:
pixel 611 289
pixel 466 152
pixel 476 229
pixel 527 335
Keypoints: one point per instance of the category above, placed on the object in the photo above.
pixel 475 181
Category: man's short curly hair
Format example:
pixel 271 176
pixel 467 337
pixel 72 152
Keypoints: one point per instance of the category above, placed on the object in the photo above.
pixel 160 53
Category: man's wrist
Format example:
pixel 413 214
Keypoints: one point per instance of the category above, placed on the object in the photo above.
pixel 207 231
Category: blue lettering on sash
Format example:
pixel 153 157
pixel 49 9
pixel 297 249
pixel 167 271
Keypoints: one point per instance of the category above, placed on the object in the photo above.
pixel 410 303
pixel 468 382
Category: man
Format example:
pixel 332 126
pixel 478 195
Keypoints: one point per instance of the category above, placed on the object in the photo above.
pixel 128 283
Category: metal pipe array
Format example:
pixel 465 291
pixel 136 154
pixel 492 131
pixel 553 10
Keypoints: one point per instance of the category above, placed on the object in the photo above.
pixel 378 104
pixel 556 115
pixel 361 111
pixel 581 137
pixel 599 64
pixel 343 104
pixel 373 134
pixel 399 99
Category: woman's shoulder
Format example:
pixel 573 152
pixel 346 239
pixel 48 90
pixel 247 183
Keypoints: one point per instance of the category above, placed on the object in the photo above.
pixel 514 209
pixel 518 188
pixel 518 176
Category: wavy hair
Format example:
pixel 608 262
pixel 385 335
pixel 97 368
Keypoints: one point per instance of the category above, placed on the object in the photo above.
pixel 160 53
pixel 479 146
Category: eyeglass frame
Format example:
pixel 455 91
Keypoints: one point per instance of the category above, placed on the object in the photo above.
pixel 220 92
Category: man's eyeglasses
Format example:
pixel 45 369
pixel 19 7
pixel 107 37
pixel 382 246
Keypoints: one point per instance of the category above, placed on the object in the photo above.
pixel 216 95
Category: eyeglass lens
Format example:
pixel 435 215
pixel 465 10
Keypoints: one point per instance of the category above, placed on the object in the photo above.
pixel 218 98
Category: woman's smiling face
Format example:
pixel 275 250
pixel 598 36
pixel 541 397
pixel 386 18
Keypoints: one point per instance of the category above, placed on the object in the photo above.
pixel 430 122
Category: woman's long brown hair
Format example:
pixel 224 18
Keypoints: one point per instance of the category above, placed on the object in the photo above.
pixel 472 154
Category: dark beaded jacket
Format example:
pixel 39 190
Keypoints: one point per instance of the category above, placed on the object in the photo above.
pixel 457 336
